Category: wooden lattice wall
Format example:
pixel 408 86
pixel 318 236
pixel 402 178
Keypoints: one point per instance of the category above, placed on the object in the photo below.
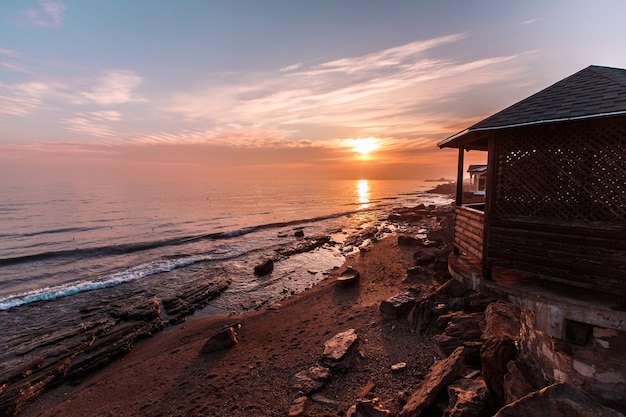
pixel 570 174
pixel 558 208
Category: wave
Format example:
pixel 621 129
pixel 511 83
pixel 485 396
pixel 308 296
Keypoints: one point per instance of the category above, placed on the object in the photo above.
pixel 129 248
pixel 132 274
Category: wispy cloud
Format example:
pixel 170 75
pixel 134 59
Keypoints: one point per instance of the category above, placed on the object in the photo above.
pixel 49 13
pixel 404 92
pixel 115 87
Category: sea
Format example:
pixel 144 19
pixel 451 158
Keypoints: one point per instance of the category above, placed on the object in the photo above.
pixel 61 240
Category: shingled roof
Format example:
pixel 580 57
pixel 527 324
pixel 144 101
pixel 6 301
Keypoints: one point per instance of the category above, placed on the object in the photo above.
pixel 590 93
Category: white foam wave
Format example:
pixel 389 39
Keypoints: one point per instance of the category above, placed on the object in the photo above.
pixel 128 275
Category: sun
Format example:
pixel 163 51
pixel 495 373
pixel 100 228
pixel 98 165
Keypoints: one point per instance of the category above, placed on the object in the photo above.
pixel 364 146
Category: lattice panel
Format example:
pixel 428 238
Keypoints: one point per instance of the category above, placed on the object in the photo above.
pixel 575 174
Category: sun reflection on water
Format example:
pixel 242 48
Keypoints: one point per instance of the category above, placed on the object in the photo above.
pixel 363 193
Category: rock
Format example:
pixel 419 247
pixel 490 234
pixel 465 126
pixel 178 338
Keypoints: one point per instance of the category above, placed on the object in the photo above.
pixel 516 385
pixel 469 398
pixel 299 233
pixel 348 278
pixel 416 274
pixel 502 320
pixel 340 351
pixel 494 355
pixel 298 407
pixel 400 366
pixel 457 304
pixel 443 320
pixel 370 408
pixel 311 380
pixel 425 256
pixel 319 398
pixel 397 306
pixel 408 241
pixel 479 302
pixel 441 374
pixel 558 400
pixel 265 268
pixel 420 315
pixel 366 390
pixel 452 288
pixel 466 327
pixel 223 340
pixel 446 344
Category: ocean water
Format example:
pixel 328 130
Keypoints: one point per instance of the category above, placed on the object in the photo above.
pixel 61 240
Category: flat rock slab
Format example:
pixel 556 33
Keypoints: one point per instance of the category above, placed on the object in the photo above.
pixel 339 351
pixel 348 278
pixel 558 400
pixel 397 306
pixel 441 374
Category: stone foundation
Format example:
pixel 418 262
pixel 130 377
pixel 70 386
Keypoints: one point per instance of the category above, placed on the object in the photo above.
pixel 593 360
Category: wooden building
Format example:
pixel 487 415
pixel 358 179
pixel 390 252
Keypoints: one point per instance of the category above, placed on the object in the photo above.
pixel 478 179
pixel 555 205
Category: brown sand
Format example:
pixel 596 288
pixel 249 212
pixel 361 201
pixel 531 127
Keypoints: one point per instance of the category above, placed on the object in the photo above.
pixel 166 375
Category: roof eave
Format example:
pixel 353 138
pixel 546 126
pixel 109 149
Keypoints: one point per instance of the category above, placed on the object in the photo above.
pixel 467 138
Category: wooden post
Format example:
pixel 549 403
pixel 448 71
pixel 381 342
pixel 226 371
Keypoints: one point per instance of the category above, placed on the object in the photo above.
pixel 459 178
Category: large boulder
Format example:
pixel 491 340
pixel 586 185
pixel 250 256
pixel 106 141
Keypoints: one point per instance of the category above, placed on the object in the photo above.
pixel 495 354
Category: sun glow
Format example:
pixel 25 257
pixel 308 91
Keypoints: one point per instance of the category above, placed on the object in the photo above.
pixel 363 146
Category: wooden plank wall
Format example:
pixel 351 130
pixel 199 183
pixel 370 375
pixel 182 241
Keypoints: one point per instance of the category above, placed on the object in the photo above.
pixel 588 257
pixel 468 231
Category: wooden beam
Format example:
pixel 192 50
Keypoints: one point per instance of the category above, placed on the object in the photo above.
pixel 459 178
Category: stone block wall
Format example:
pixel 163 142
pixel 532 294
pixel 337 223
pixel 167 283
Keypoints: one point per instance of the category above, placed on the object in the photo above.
pixel 594 363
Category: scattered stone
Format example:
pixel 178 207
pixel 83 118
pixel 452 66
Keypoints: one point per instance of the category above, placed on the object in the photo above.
pixel 558 400
pixel 348 278
pixel 299 233
pixel 400 366
pixel 298 407
pixel 397 306
pixel 416 274
pixel 340 351
pixel 368 408
pixel 466 327
pixel 223 340
pixel 494 355
pixel 441 374
pixel 265 268
pixel 366 390
pixel 439 310
pixel 419 316
pixel 319 398
pixel 469 398
pixel 442 321
pixel 311 380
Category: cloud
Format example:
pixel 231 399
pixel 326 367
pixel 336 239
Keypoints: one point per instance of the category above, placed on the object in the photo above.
pixel 23 98
pixel 88 126
pixel 115 87
pixel 404 92
pixel 50 13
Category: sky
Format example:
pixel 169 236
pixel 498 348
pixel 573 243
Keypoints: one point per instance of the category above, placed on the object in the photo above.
pixel 144 89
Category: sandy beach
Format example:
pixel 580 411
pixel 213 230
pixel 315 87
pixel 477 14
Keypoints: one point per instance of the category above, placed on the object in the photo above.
pixel 167 376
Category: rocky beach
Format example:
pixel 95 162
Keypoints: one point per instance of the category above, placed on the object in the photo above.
pixel 386 334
